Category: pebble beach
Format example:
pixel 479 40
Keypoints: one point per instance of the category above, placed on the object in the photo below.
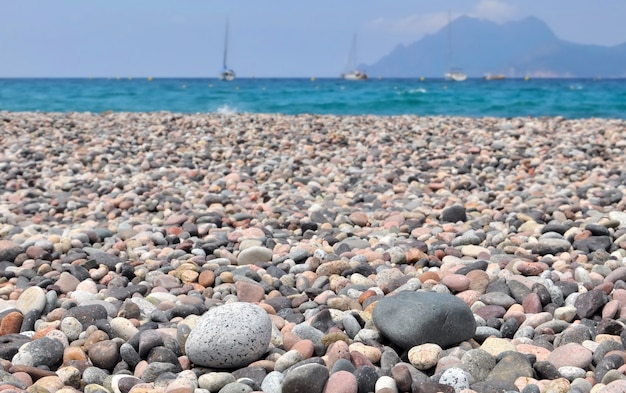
pixel 236 253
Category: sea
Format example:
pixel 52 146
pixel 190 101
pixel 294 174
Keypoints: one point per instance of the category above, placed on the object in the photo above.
pixel 526 97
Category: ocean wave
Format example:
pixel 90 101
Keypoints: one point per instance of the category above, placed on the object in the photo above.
pixel 419 90
pixel 226 109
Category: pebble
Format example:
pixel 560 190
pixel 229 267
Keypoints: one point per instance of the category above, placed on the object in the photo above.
pixel 436 318
pixel 261 252
pixel 425 356
pixel 228 336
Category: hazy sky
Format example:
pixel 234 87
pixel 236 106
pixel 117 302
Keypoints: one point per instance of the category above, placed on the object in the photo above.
pixel 185 38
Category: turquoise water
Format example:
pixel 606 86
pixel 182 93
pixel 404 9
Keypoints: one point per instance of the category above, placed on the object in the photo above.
pixel 570 98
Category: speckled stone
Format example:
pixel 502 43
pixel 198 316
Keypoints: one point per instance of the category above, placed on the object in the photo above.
pixel 455 377
pixel 232 335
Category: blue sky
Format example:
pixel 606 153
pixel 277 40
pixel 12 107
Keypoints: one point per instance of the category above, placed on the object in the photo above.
pixel 285 38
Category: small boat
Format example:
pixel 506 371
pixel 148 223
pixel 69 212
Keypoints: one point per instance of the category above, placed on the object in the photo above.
pixel 354 75
pixel 493 77
pixel 351 73
pixel 227 74
pixel 455 75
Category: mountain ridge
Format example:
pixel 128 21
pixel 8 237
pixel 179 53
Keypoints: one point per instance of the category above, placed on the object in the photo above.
pixel 526 47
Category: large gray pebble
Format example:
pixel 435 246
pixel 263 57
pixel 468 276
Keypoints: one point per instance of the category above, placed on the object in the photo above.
pixel 229 336
pixel 413 318
pixel 310 378
pixel 44 351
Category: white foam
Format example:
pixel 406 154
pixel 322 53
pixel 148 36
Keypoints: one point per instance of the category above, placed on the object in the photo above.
pixel 419 90
pixel 226 109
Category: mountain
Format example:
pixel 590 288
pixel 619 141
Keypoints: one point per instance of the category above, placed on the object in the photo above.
pixel 516 49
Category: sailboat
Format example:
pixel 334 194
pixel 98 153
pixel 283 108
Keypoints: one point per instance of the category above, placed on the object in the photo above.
pixel 227 74
pixel 351 73
pixel 453 74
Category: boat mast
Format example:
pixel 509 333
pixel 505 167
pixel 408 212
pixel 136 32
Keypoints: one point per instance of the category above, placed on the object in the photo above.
pixel 449 41
pixel 351 61
pixel 226 44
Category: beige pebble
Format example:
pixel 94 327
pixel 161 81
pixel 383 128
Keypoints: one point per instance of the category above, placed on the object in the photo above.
pixel 424 356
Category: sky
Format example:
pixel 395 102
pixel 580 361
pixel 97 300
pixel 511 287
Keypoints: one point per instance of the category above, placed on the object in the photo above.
pixel 267 38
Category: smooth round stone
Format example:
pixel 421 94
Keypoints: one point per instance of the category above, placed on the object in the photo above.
pixel 148 339
pixel 618 386
pixel 478 363
pixel 342 364
pixel 229 336
pixel 71 327
pixel 41 352
pixel 69 375
pixel 287 360
pixel 11 343
pixel 571 354
pixel 436 318
pixel 366 377
pixel 32 299
pixel 532 388
pixel 425 356
pixel 309 378
pixel 123 328
pixel 104 354
pixel 181 385
pixel 9 250
pixel 495 346
pixel 551 246
pixel 307 332
pixel 88 314
pixel 254 255
pixel 456 282
pixel 11 323
pixel 384 384
pixel 94 375
pixel 580 385
pixel 342 382
pixel 67 282
pixel 484 332
pixel 272 383
pixel 511 366
pixel 215 381
pixel 50 384
pixel 351 325
pixel 129 355
pixel 236 387
pixel 156 369
pixel 123 382
pixel 454 214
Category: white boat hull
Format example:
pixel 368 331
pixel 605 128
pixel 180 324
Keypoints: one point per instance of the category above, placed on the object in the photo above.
pixel 354 76
pixel 227 75
pixel 456 76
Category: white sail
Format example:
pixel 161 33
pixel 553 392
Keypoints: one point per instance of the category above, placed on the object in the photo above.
pixel 351 72
pixel 226 74
pixel 453 73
